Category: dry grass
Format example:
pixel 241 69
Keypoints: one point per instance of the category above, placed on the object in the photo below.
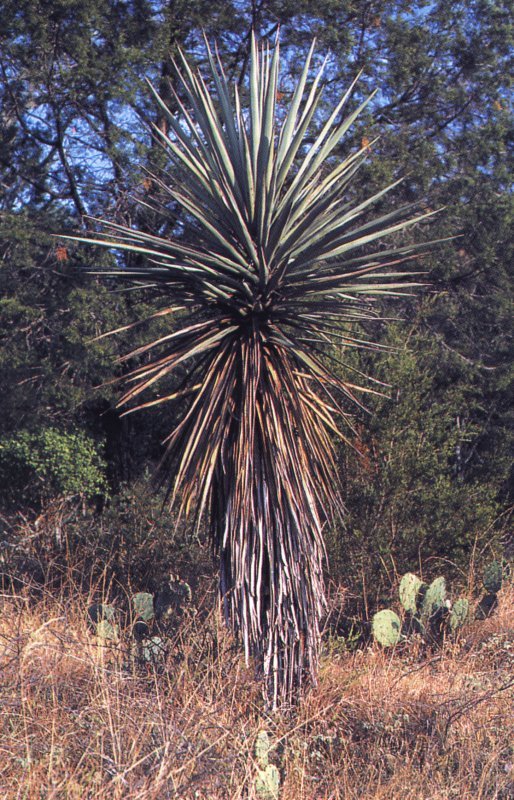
pixel 79 720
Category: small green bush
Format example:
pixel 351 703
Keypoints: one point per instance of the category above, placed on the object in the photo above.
pixel 35 467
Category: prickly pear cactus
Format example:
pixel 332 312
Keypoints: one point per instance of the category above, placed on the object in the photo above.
pixel 142 603
pixel 153 649
pixel 103 616
pixel 459 614
pixel 386 627
pixel 99 611
pixel 410 586
pixel 267 779
pixel 493 577
pixel 173 597
pixel 435 597
pixel 107 631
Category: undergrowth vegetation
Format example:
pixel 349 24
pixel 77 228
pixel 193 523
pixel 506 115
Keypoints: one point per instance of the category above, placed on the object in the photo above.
pixel 83 718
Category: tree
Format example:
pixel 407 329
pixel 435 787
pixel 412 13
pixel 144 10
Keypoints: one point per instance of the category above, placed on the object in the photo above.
pixel 71 77
pixel 272 263
pixel 71 101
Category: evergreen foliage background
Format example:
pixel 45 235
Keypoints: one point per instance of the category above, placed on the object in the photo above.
pixel 435 478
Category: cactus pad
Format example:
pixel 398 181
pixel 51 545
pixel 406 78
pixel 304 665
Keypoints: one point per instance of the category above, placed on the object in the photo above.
pixel 143 606
pixel 107 630
pixel 172 599
pixel 267 779
pixel 101 617
pixel 459 613
pixel 100 611
pixel 386 627
pixel 410 585
pixel 493 577
pixel 262 748
pixel 153 649
pixel 267 783
pixel 435 597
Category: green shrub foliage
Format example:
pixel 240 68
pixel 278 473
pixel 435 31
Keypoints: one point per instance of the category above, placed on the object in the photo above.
pixel 35 467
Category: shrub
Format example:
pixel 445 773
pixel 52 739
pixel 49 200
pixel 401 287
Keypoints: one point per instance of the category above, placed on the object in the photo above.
pixel 35 467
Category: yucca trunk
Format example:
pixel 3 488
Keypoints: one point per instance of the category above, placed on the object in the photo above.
pixel 270 551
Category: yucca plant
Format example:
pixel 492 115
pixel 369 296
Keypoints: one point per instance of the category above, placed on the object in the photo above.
pixel 273 266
